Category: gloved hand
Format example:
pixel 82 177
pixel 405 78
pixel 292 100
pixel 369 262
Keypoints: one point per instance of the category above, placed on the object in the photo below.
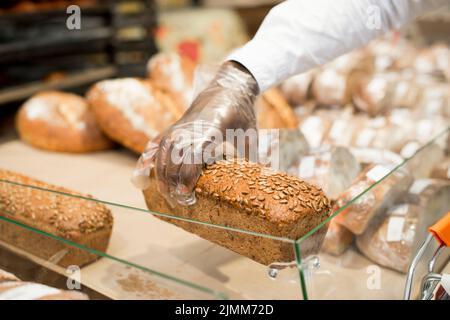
pixel 178 155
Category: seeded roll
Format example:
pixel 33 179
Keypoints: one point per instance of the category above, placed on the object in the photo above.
pixel 247 196
pixel 81 221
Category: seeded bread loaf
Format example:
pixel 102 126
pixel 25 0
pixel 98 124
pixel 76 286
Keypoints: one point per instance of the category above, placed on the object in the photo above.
pixel 11 288
pixel 248 196
pixel 81 221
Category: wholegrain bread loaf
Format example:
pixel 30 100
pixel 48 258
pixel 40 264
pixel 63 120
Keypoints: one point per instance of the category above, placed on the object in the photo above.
pixel 60 121
pixel 11 288
pixel 79 220
pixel 247 196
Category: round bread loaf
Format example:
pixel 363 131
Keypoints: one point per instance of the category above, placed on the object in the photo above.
pixel 174 75
pixel 60 121
pixel 131 111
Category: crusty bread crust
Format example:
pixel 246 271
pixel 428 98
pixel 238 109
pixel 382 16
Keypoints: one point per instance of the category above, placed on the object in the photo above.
pixel 81 221
pixel 248 196
pixel 154 115
pixel 41 123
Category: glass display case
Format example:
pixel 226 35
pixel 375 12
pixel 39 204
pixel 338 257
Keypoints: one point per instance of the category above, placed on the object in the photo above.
pixel 151 259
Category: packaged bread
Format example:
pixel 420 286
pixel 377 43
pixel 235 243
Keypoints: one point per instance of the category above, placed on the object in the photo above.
pixel 315 129
pixel 434 60
pixel 337 240
pixel 296 89
pixel 250 197
pixel 391 53
pixel 333 169
pixel 371 156
pixel 435 100
pixel 281 149
pixel 371 205
pixel 442 170
pixel 395 241
pixel 422 163
pixel 332 83
pixel 370 93
pixel 69 217
pixel 173 74
pixel 59 121
pixel 342 130
pixel 273 111
pixel 330 87
pixel 11 288
pixel 132 111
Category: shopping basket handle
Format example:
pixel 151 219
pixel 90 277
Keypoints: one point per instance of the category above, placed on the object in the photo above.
pixel 441 230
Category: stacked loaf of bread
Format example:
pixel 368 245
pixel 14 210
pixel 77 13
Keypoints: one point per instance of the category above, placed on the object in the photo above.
pixel 11 288
pixel 247 196
pixel 54 210
pixel 394 241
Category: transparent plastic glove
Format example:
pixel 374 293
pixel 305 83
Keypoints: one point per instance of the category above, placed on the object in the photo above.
pixel 177 156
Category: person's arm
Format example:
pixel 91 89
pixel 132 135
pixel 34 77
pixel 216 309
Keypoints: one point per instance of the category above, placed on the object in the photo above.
pixel 298 35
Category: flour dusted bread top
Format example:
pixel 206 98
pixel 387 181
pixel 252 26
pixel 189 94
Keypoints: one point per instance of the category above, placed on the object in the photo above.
pixel 131 111
pixel 60 121
pixel 174 75
pixel 58 108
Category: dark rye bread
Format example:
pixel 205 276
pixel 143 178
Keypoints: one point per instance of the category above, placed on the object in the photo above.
pixel 81 221
pixel 248 196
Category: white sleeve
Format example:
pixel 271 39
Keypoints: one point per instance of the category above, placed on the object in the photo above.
pixel 298 35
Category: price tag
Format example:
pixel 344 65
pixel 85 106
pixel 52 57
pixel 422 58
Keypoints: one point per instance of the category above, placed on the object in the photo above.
pixel 377 172
pixel 420 185
pixel 365 138
pixel 395 229
pixel 409 149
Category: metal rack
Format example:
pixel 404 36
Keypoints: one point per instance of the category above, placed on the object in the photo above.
pixel 115 39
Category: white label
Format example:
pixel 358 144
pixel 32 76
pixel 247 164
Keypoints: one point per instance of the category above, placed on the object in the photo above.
pixel 400 210
pixel 377 172
pixel 307 166
pixel 312 128
pixel 365 138
pixel 28 291
pixel 395 229
pixel 420 185
pixel 338 129
pixel 409 149
pixel 425 129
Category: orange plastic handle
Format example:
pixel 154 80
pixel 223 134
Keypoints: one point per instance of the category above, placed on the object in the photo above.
pixel 441 230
